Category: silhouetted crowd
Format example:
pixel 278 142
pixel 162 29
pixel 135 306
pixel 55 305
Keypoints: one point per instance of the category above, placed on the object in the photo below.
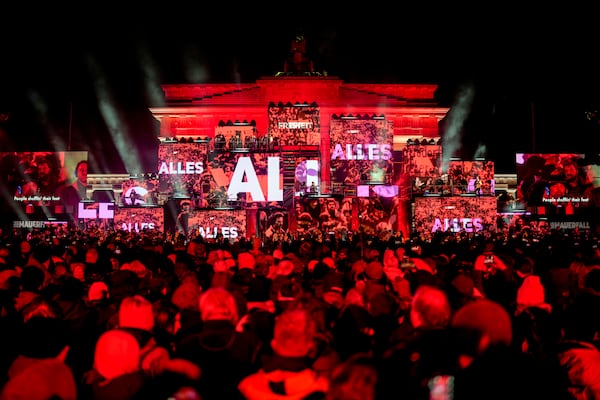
pixel 112 314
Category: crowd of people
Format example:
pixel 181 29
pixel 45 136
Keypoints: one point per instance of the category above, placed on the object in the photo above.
pixel 101 314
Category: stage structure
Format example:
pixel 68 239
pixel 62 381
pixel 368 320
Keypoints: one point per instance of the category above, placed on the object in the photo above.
pixel 296 154
pixel 294 138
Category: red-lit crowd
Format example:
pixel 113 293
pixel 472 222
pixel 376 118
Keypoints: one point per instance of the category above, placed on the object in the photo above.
pixel 117 315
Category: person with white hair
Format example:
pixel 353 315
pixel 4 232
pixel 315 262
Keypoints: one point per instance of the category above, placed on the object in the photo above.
pixel 223 354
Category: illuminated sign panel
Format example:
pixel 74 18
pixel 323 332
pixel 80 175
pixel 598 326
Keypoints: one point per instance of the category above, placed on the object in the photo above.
pixel 324 215
pixel 560 184
pixel 360 151
pixel 220 177
pixel 40 185
pixel 293 125
pixel 96 214
pixel 215 224
pixel 454 214
pixel 93 210
pixel 180 167
pixel 138 219
pixel 306 173
pixel 139 192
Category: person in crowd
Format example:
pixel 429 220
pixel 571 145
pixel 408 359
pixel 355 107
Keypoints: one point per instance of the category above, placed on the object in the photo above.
pixel 578 352
pixel 493 277
pixel 421 348
pixel 286 374
pixel 116 372
pixel 488 365
pixel 40 372
pixel 136 315
pixel 21 256
pixel 224 355
pixel 32 280
pixel 72 194
pixel 354 379
pixel 353 331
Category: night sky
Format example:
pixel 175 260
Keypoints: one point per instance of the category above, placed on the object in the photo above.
pixel 517 80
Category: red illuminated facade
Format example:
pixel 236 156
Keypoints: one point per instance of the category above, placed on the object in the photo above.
pixel 195 111
pixel 206 112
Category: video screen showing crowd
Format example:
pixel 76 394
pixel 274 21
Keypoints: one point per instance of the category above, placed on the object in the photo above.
pixel 360 151
pixel 557 184
pixel 42 186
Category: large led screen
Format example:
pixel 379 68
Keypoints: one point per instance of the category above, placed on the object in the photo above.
pixel 424 160
pixel 294 124
pixel 360 151
pixel 316 217
pixel 181 167
pixel 511 221
pixel 535 225
pixel 306 175
pixel 242 178
pixel 139 191
pixel 139 219
pixel 228 225
pixel 273 225
pixel 374 217
pixel 454 214
pixel 463 177
pixel 43 185
pixel 220 179
pixel 93 214
pixel 556 184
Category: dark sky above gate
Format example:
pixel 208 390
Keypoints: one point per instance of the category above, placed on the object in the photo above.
pixel 517 80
